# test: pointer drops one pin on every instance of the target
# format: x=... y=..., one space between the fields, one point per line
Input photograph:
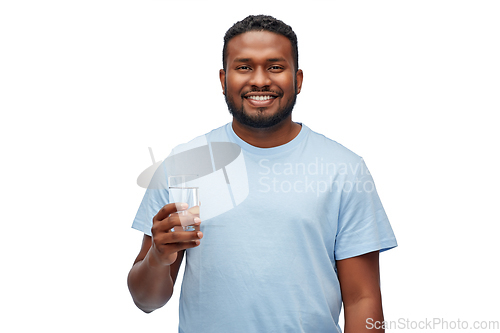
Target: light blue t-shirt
x=266 y=262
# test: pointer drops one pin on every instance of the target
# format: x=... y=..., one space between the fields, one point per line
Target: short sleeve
x=154 y=199
x=363 y=225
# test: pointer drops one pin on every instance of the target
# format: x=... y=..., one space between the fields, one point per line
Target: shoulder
x=328 y=147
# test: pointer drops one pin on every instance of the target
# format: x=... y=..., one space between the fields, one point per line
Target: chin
x=259 y=121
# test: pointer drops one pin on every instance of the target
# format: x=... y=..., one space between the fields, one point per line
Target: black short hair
x=260 y=23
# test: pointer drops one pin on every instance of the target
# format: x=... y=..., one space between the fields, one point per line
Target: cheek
x=234 y=86
x=287 y=83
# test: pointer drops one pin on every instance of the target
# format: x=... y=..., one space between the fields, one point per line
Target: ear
x=300 y=77
x=222 y=77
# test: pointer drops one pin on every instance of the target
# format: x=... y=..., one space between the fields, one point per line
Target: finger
x=178 y=237
x=168 y=209
x=176 y=220
x=175 y=247
x=186 y=219
x=195 y=210
x=182 y=218
x=182 y=236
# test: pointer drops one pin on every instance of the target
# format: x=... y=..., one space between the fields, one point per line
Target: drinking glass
x=180 y=192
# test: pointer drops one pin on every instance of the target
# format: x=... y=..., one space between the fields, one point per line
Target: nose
x=260 y=78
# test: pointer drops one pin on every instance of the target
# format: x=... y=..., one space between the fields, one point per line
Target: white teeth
x=260 y=98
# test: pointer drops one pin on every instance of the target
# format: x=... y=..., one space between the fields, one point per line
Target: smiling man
x=306 y=239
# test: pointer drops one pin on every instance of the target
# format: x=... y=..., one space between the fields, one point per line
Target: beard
x=260 y=120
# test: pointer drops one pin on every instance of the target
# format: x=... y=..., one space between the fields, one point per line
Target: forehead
x=259 y=44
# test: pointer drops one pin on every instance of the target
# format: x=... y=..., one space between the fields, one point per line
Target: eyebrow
x=250 y=59
x=276 y=59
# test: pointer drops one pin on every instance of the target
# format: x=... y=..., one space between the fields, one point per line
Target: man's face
x=260 y=82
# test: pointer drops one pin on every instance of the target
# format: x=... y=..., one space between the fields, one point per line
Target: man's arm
x=152 y=277
x=151 y=285
x=360 y=286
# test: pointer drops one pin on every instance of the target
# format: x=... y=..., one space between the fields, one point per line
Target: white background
x=87 y=86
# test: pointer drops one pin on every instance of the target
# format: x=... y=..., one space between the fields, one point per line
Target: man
x=305 y=239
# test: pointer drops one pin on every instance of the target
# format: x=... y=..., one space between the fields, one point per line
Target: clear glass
x=181 y=193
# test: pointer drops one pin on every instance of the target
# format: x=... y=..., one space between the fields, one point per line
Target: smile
x=261 y=98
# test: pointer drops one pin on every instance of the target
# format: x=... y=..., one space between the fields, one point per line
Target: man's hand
x=165 y=243
x=152 y=277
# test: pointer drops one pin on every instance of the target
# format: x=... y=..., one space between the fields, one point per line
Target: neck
x=277 y=135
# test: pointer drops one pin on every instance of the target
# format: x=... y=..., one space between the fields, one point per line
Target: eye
x=276 y=68
x=244 y=68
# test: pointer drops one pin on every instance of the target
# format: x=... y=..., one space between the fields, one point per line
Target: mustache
x=279 y=93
